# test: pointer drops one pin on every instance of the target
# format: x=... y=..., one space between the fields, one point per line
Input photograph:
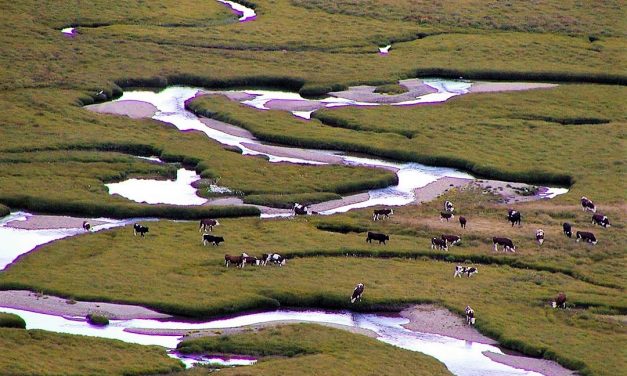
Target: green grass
x=390 y=89
x=4 y=210
x=287 y=201
x=9 y=320
x=314 y=349
x=99 y=320
x=37 y=352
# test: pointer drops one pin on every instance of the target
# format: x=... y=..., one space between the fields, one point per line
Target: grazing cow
x=381 y=238
x=601 y=220
x=505 y=242
x=439 y=244
x=206 y=222
x=451 y=239
x=514 y=217
x=251 y=260
x=382 y=214
x=215 y=240
x=560 y=301
x=461 y=270
x=446 y=215
x=86 y=226
x=139 y=229
x=470 y=316
x=448 y=206
x=300 y=209
x=239 y=261
x=588 y=205
x=568 y=230
x=587 y=236
x=462 y=222
x=357 y=293
x=274 y=258
x=540 y=236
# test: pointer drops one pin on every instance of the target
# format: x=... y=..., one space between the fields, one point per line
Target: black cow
x=446 y=215
x=86 y=226
x=588 y=205
x=139 y=229
x=251 y=260
x=357 y=292
x=274 y=258
x=462 y=222
x=560 y=301
x=239 y=261
x=587 y=236
x=300 y=209
x=451 y=239
x=215 y=240
x=207 y=222
x=601 y=220
x=448 y=206
x=382 y=238
x=514 y=216
x=505 y=242
x=470 y=316
x=461 y=270
x=540 y=236
x=568 y=230
x=381 y=213
x=437 y=243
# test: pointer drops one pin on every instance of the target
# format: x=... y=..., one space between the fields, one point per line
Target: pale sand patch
x=543 y=366
x=492 y=87
x=132 y=109
x=50 y=222
x=225 y=201
x=29 y=301
x=416 y=88
x=293 y=105
x=501 y=188
x=226 y=128
x=427 y=318
x=438 y=187
x=288 y=152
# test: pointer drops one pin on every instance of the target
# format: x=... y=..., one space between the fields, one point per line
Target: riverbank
x=52 y=222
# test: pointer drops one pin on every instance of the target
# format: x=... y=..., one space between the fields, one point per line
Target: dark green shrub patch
x=98 y=320
x=9 y=320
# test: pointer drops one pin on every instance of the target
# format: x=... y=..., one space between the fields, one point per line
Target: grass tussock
x=9 y=320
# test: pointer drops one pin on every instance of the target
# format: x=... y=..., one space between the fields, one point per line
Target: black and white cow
x=446 y=215
x=601 y=220
x=514 y=217
x=586 y=204
x=207 y=222
x=139 y=229
x=437 y=243
x=560 y=301
x=540 y=236
x=357 y=293
x=461 y=270
x=381 y=238
x=215 y=240
x=586 y=236
x=274 y=258
x=381 y=214
x=86 y=226
x=462 y=222
x=239 y=261
x=568 y=229
x=470 y=316
x=300 y=209
x=451 y=239
x=505 y=242
x=448 y=206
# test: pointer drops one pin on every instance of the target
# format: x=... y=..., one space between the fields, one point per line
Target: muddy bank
x=364 y=93
x=543 y=366
x=130 y=108
x=52 y=222
x=493 y=87
x=438 y=187
x=34 y=302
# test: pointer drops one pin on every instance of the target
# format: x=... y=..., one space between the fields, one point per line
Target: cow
x=462 y=222
x=461 y=270
x=451 y=239
x=274 y=258
x=446 y=215
x=448 y=206
x=300 y=209
x=239 y=261
x=381 y=238
x=470 y=316
x=601 y=220
x=381 y=214
x=139 y=229
x=514 y=216
x=86 y=226
x=587 y=236
x=560 y=301
x=207 y=222
x=215 y=240
x=568 y=230
x=588 y=205
x=251 y=260
x=540 y=236
x=505 y=242
x=437 y=243
x=357 y=293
